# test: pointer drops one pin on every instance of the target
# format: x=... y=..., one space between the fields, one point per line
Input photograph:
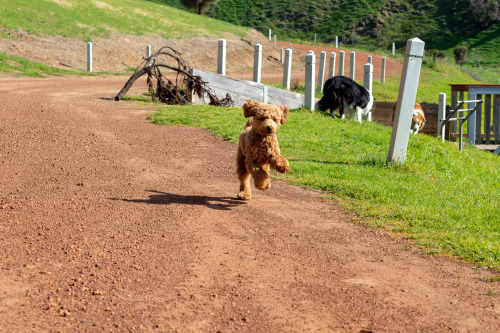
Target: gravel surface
x=109 y=223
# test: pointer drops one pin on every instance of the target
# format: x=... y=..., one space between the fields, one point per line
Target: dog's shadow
x=163 y=198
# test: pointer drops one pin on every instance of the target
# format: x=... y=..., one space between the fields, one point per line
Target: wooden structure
x=382 y=113
x=242 y=90
x=483 y=130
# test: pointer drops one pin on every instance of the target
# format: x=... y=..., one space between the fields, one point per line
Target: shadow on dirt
x=162 y=198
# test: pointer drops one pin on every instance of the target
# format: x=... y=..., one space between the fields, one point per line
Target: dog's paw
x=283 y=167
x=264 y=186
x=244 y=195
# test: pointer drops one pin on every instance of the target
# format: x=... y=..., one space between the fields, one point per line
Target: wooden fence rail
x=486 y=124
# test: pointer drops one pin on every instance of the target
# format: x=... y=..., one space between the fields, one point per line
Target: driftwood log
x=168 y=92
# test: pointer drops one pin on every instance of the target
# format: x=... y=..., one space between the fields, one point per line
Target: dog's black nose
x=269 y=128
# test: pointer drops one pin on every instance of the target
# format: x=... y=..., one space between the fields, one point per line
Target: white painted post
x=257 y=63
x=89 y=56
x=393 y=49
x=309 y=93
x=221 y=60
x=275 y=44
x=281 y=55
x=269 y=34
x=341 y=62
x=264 y=94
x=331 y=72
x=148 y=51
x=368 y=84
x=471 y=122
x=369 y=59
x=353 y=65
x=287 y=69
x=406 y=100
x=368 y=77
x=382 y=75
x=314 y=38
x=336 y=42
x=441 y=132
x=321 y=71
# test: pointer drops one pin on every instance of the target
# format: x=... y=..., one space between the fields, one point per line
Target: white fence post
x=281 y=56
x=275 y=43
x=148 y=51
x=287 y=70
x=353 y=65
x=269 y=34
x=309 y=93
x=336 y=42
x=89 y=56
x=471 y=122
x=321 y=71
x=368 y=83
x=406 y=100
x=441 y=132
x=382 y=75
x=314 y=38
x=331 y=72
x=368 y=77
x=369 y=59
x=393 y=49
x=221 y=60
x=341 y=62
x=257 y=63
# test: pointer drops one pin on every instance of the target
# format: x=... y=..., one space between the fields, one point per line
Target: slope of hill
x=54 y=32
x=442 y=24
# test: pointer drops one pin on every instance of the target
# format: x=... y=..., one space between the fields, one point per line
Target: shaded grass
x=446 y=201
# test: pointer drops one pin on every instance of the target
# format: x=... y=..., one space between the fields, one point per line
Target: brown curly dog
x=258 y=148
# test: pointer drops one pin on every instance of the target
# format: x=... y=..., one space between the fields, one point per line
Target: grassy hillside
x=442 y=24
x=86 y=19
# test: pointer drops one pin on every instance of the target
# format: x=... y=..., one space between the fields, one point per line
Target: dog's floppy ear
x=285 y=111
x=249 y=109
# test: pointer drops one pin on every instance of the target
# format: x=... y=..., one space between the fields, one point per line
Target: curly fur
x=258 y=148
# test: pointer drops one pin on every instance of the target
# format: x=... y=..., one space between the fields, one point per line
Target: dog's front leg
x=280 y=164
x=359 y=113
x=260 y=174
x=243 y=176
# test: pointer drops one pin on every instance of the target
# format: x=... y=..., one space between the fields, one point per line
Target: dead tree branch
x=167 y=91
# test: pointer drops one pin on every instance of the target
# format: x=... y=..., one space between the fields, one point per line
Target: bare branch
x=165 y=90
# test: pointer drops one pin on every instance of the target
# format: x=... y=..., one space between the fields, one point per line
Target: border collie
x=340 y=92
x=417 y=119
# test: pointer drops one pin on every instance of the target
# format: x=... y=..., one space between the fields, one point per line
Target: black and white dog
x=340 y=92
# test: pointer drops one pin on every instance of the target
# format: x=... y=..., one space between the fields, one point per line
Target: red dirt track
x=109 y=223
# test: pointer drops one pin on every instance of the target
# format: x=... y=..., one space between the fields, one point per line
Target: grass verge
x=444 y=200
x=22 y=67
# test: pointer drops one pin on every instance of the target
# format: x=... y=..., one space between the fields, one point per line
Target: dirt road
x=111 y=224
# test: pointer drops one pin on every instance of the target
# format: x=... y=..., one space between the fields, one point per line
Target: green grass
x=434 y=79
x=21 y=67
x=446 y=201
x=87 y=20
